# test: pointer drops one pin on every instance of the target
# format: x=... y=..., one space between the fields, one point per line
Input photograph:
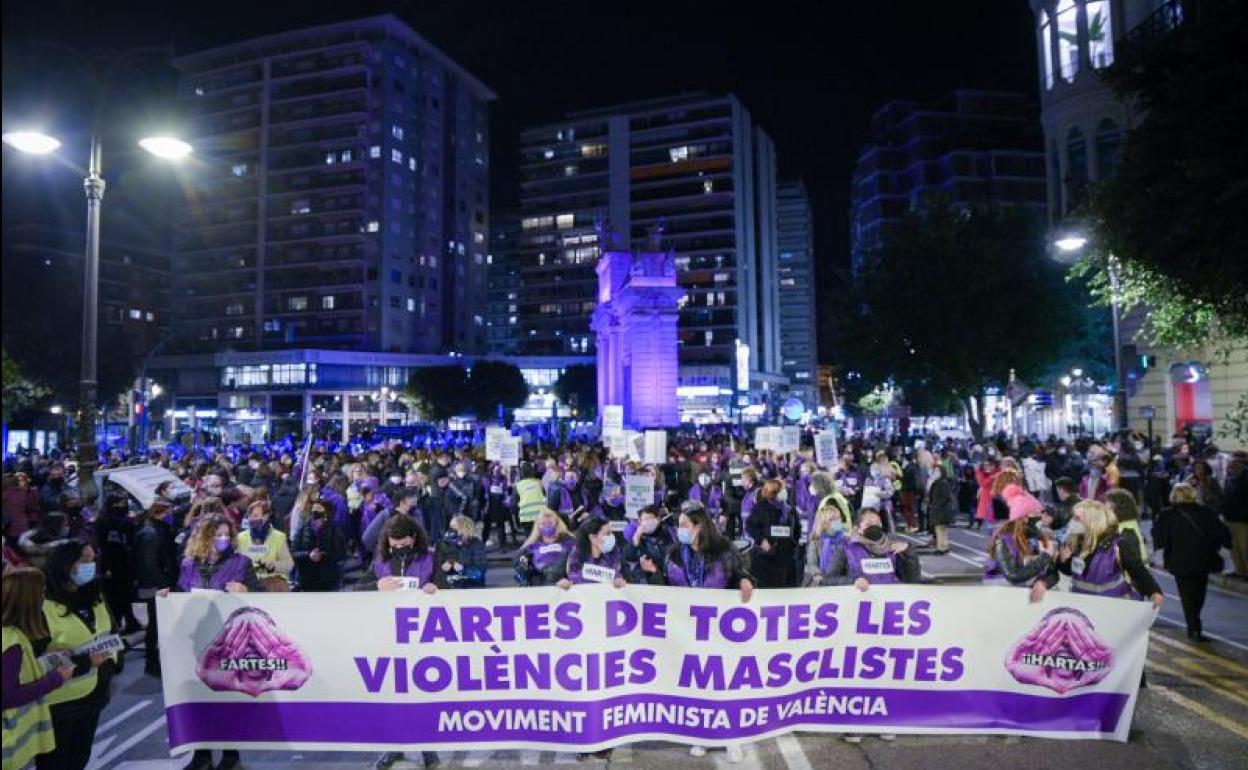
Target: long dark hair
x=590 y=527
x=398 y=527
x=710 y=541
x=58 y=571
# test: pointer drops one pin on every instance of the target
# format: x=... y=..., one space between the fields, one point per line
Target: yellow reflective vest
x=68 y=634
x=27 y=729
x=532 y=499
x=273 y=550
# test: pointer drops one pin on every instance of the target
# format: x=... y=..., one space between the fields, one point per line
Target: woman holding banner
x=1101 y=561
x=647 y=542
x=459 y=557
x=594 y=558
x=1018 y=553
x=543 y=559
x=704 y=558
x=825 y=553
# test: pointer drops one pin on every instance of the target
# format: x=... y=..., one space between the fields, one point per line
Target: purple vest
x=715 y=573
x=419 y=567
x=828 y=546
x=1102 y=576
x=712 y=498
x=546 y=555
x=806 y=502
x=747 y=504
x=229 y=569
x=856 y=553
x=607 y=560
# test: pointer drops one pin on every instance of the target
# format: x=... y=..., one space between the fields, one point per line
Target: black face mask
x=403 y=553
x=874 y=533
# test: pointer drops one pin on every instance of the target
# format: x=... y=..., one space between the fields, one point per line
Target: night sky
x=811 y=74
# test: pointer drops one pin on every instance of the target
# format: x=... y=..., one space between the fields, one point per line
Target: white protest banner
x=597 y=667
x=612 y=419
x=638 y=449
x=825 y=449
x=790 y=438
x=638 y=493
x=107 y=644
x=509 y=452
x=620 y=444
x=767 y=439
x=495 y=437
x=656 y=446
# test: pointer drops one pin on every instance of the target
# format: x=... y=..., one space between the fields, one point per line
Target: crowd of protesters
x=395 y=516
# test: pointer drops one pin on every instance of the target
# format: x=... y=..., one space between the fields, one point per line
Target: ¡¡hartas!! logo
x=1062 y=653
x=251 y=655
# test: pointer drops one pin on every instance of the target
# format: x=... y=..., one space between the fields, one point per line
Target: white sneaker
x=697 y=751
x=888 y=737
x=852 y=738
x=735 y=753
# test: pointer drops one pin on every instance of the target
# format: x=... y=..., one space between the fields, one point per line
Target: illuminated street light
x=1071 y=243
x=167 y=147
x=31 y=142
x=56 y=409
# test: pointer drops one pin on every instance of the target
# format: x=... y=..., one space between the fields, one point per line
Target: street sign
x=1148 y=413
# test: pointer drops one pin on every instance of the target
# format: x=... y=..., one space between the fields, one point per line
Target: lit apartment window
x=396 y=132
x=708 y=186
x=396 y=157
x=478 y=237
x=300 y=207
x=565 y=221
x=411 y=305
x=237 y=332
x=239 y=169
x=151 y=316
x=374 y=151
x=199 y=90
x=1100 y=33
x=593 y=150
x=511 y=320
x=569 y=170
x=330 y=158
x=433 y=261
x=411 y=163
x=709 y=336
x=548 y=153
x=678 y=153
x=373 y=226
x=299 y=302
x=136 y=314
x=721 y=278
x=327 y=302
x=478 y=320
x=345 y=156
x=235 y=309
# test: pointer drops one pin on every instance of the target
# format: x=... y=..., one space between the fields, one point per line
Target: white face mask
x=608 y=543
x=704 y=480
x=782 y=495
x=1075 y=528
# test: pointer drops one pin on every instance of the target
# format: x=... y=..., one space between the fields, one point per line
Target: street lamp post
x=38 y=143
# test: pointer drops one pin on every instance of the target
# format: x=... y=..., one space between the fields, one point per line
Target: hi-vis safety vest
x=532 y=499
x=68 y=634
x=27 y=729
x=273 y=545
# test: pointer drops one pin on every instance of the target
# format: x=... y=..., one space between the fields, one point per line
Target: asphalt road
x=1194 y=714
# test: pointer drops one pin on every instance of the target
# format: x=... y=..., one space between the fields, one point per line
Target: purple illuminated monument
x=636 y=318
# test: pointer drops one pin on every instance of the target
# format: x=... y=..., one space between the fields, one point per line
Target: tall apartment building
x=694 y=165
x=342 y=199
x=974 y=146
x=503 y=293
x=795 y=280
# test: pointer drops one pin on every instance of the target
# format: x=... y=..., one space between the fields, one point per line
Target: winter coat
x=155 y=557
x=325 y=575
x=941 y=506
x=781 y=528
x=469 y=555
x=983 y=508
x=1189 y=536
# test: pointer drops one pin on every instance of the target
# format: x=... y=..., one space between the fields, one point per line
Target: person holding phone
x=77 y=617
x=646 y=545
x=28 y=730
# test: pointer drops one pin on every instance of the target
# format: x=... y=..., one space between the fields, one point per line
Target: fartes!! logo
x=251 y=655
x=1062 y=653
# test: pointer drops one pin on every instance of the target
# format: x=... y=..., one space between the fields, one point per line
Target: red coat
x=983 y=509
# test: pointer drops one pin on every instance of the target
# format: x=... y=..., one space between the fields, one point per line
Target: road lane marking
x=791 y=752
x=127 y=744
x=1212 y=657
x=1215 y=637
x=123 y=716
x=1201 y=710
x=1213 y=679
x=954 y=555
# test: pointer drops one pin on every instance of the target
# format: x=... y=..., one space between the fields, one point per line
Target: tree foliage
x=579 y=385
x=19 y=391
x=496 y=382
x=438 y=392
x=1174 y=211
x=952 y=300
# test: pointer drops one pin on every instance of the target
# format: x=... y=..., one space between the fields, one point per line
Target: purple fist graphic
x=251 y=655
x=1061 y=653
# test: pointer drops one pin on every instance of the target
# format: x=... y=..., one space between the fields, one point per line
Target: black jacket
x=469 y=555
x=774 y=568
x=155 y=556
x=1235 y=503
x=655 y=546
x=325 y=575
x=942 y=508
x=1189 y=535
